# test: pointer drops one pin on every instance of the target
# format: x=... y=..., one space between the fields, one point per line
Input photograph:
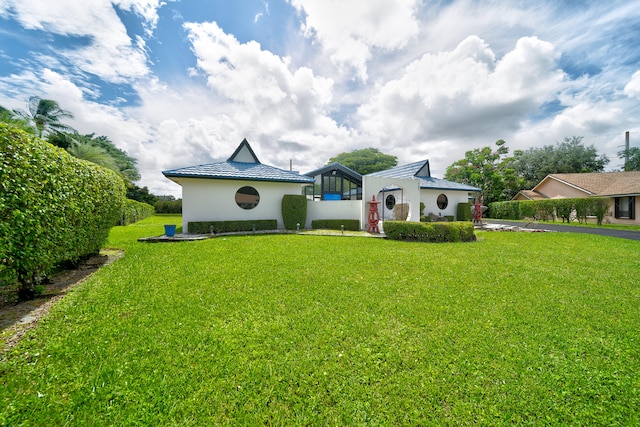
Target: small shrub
x=205 y=227
x=463 y=212
x=581 y=207
x=599 y=208
x=430 y=232
x=564 y=209
x=336 y=224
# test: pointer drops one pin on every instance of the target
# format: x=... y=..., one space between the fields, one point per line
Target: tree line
x=501 y=176
x=44 y=118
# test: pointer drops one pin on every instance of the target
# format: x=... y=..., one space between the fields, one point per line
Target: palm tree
x=7 y=116
x=92 y=153
x=45 y=115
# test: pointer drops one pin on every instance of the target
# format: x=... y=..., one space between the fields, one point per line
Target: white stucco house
x=242 y=188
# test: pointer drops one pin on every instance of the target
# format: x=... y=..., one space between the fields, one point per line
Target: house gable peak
x=424 y=171
x=244 y=154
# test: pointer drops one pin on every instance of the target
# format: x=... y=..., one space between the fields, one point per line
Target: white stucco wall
x=214 y=200
x=430 y=197
x=333 y=209
x=371 y=185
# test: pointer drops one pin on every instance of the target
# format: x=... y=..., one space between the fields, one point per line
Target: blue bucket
x=170 y=230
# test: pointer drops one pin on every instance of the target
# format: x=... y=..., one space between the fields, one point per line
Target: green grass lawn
x=575 y=224
x=517 y=328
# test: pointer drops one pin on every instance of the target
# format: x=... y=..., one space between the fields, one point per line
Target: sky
x=181 y=83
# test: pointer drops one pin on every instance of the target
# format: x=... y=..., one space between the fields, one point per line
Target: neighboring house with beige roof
x=623 y=188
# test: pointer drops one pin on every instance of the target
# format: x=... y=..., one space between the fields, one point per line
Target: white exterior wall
x=333 y=209
x=387 y=214
x=430 y=197
x=214 y=200
x=371 y=186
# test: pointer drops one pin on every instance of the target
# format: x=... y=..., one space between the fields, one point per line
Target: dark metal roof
x=336 y=166
x=421 y=171
x=238 y=171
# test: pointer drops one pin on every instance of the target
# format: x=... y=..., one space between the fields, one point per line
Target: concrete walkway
x=624 y=234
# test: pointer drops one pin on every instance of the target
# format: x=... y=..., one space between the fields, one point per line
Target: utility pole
x=626 y=150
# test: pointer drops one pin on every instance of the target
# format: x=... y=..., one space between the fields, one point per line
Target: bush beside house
x=54 y=209
x=294 y=211
x=552 y=209
x=214 y=227
x=336 y=224
x=430 y=232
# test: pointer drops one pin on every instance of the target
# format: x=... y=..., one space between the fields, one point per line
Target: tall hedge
x=294 y=211
x=564 y=209
x=54 y=208
x=134 y=211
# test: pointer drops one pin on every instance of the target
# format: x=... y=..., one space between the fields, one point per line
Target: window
x=247 y=197
x=625 y=207
x=442 y=202
x=390 y=201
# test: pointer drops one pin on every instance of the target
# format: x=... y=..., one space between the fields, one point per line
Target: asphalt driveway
x=624 y=234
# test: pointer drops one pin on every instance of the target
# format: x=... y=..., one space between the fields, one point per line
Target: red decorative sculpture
x=374 y=216
x=477 y=213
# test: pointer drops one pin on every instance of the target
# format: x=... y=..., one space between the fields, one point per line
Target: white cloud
x=350 y=31
x=463 y=93
x=269 y=98
x=632 y=89
x=109 y=52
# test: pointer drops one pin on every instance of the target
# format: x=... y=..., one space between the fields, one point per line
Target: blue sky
x=178 y=83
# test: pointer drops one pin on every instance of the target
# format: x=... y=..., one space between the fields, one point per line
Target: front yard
x=517 y=328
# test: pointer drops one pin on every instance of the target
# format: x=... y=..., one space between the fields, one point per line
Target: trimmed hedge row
x=206 y=227
x=169 y=206
x=54 y=208
x=134 y=211
x=435 y=232
x=336 y=224
x=542 y=210
x=294 y=211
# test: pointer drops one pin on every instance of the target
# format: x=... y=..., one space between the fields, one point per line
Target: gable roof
x=529 y=195
x=599 y=183
x=242 y=165
x=421 y=170
x=336 y=166
x=244 y=153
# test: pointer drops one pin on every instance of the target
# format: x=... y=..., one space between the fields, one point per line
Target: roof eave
x=237 y=178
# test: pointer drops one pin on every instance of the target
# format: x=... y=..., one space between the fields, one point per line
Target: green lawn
x=517 y=328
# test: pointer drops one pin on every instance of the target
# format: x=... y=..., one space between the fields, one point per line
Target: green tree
x=45 y=115
x=9 y=117
x=568 y=156
x=365 y=161
x=92 y=153
x=490 y=170
x=141 y=194
x=634 y=159
x=99 y=150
